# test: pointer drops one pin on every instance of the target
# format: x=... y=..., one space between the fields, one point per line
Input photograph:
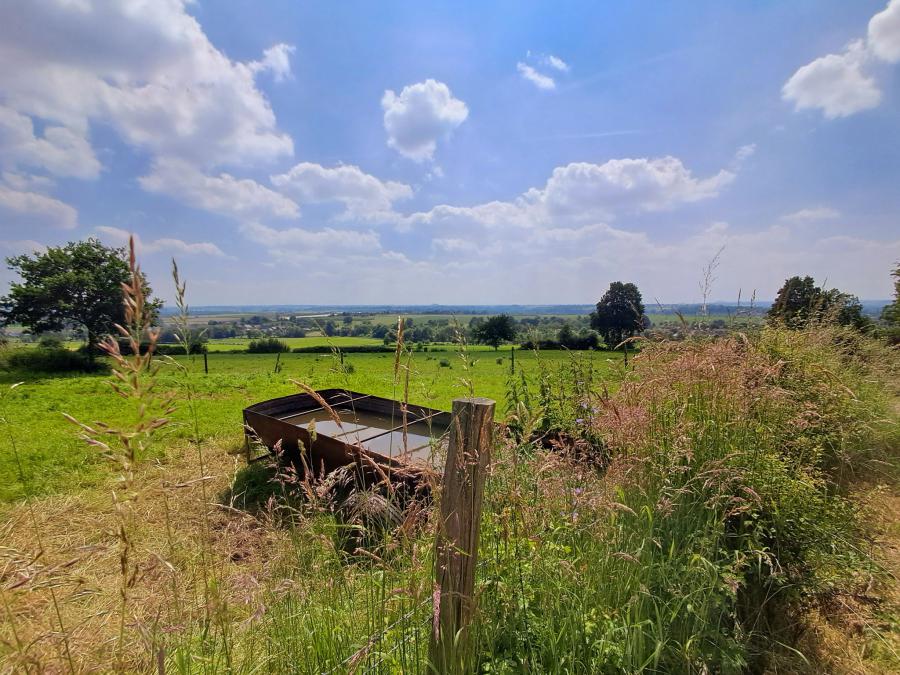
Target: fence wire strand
x=379 y=635
x=483 y=565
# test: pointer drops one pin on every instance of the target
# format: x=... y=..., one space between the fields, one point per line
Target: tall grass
x=720 y=513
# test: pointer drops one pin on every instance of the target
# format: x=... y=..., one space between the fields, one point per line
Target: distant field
x=234 y=344
x=669 y=318
x=57 y=461
x=239 y=344
x=229 y=344
x=462 y=319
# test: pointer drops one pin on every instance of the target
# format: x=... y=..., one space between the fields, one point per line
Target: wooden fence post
x=205 y=364
x=456 y=542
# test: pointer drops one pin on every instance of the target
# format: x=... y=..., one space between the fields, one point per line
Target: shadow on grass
x=255 y=488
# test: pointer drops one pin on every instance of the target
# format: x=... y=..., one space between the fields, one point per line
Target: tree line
x=79 y=285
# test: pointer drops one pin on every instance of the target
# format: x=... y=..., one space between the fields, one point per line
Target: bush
x=267 y=346
x=55 y=360
x=50 y=342
x=444 y=363
x=577 y=342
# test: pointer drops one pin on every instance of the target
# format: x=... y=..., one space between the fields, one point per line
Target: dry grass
x=81 y=561
x=859 y=634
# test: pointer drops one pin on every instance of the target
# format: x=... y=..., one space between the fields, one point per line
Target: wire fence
x=350 y=662
x=375 y=638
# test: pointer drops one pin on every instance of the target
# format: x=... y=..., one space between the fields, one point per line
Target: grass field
x=240 y=344
x=233 y=344
x=56 y=460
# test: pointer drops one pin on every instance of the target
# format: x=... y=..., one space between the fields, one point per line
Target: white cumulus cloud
x=834 y=83
x=60 y=150
x=362 y=194
x=884 y=33
x=624 y=185
x=583 y=191
x=119 y=237
x=148 y=70
x=223 y=193
x=298 y=241
x=26 y=208
x=276 y=60
x=419 y=116
x=842 y=84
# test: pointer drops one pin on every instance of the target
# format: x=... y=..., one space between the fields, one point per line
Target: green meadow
x=55 y=459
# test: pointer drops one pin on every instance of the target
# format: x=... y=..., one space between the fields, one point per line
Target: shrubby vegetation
x=721 y=515
x=268 y=346
x=49 y=359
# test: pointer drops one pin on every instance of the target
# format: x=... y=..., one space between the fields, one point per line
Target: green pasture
x=240 y=344
x=55 y=460
x=234 y=344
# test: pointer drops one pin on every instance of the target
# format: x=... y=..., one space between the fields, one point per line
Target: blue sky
x=511 y=152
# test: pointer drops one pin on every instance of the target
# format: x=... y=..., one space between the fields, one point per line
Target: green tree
x=797 y=300
x=566 y=335
x=800 y=302
x=76 y=285
x=619 y=314
x=495 y=330
x=890 y=314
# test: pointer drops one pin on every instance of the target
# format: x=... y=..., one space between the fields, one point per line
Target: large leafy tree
x=891 y=313
x=797 y=300
x=619 y=314
x=800 y=302
x=77 y=285
x=496 y=330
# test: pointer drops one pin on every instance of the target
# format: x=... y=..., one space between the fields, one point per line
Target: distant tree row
x=79 y=285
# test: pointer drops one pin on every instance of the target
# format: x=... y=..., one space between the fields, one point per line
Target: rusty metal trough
x=376 y=434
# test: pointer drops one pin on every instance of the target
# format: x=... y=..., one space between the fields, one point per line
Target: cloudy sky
x=503 y=152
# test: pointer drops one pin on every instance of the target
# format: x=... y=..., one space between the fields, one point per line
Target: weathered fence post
x=205 y=364
x=456 y=543
x=512 y=360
